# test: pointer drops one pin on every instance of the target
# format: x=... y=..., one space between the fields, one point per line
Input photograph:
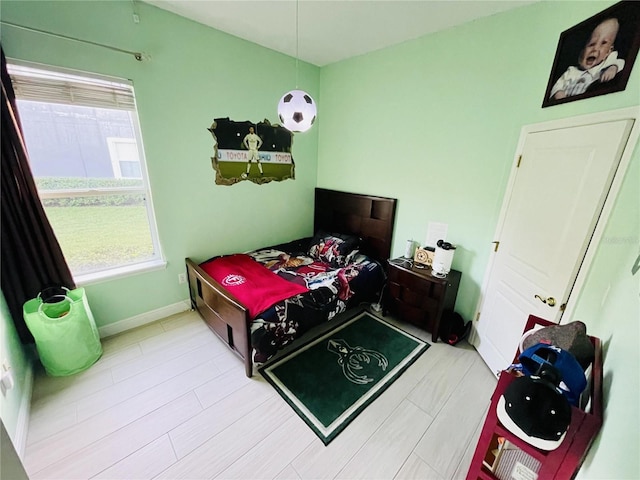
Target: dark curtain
x=31 y=256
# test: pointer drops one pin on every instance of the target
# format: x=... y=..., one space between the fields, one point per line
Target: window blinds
x=57 y=87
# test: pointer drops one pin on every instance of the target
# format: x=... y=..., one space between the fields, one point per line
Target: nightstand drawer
x=403 y=277
x=411 y=314
x=415 y=297
x=432 y=288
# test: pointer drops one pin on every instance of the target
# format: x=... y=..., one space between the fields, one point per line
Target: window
x=85 y=151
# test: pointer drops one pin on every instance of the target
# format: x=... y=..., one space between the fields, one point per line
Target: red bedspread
x=253 y=284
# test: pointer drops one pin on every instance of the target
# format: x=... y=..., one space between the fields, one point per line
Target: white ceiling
x=333 y=30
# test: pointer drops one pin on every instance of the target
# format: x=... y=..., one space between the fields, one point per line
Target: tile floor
x=169 y=400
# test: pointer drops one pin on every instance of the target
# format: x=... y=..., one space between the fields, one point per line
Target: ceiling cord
x=297 y=41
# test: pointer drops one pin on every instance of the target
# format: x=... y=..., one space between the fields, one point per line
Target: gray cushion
x=571 y=337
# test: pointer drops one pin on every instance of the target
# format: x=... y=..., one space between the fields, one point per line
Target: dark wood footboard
x=224 y=314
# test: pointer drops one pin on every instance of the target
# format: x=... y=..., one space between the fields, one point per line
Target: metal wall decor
x=258 y=152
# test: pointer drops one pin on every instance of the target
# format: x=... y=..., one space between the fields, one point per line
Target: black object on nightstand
x=419 y=297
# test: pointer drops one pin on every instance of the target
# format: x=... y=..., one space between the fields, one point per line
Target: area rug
x=331 y=379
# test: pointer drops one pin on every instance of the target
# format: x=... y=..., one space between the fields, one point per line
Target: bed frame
x=370 y=217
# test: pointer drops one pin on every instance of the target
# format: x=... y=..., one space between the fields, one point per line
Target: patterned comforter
x=331 y=291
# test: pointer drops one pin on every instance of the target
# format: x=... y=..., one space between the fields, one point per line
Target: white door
x=556 y=196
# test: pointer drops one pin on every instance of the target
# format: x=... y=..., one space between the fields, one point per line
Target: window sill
x=115 y=273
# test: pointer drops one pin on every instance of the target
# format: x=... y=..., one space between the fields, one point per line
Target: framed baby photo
x=596 y=56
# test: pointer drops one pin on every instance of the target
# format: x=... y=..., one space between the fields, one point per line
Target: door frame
x=630 y=113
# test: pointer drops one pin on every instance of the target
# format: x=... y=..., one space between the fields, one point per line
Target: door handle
x=549 y=301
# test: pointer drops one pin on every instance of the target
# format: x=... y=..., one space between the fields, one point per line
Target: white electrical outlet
x=6 y=378
x=182 y=278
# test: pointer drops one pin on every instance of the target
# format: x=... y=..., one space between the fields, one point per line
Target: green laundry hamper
x=64 y=330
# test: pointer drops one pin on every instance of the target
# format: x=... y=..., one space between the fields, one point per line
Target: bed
x=256 y=334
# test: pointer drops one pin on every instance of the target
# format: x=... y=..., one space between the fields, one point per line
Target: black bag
x=452 y=328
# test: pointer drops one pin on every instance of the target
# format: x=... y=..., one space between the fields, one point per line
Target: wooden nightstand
x=417 y=296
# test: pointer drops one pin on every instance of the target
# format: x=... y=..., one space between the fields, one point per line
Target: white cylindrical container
x=409 y=249
x=442 y=259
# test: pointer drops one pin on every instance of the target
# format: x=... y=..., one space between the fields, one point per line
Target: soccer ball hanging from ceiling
x=297 y=111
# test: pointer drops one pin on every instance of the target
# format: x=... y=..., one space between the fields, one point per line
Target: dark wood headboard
x=370 y=217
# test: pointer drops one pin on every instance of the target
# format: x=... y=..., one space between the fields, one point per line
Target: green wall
x=195 y=74
x=435 y=122
x=610 y=306
x=14 y=404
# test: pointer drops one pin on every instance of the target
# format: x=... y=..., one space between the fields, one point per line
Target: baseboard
x=22 y=422
x=143 y=318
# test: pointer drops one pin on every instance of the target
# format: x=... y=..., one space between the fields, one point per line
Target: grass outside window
x=99 y=237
